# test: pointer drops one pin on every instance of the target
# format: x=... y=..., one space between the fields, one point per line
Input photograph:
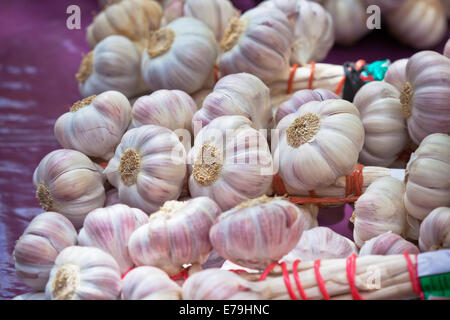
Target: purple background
x=39 y=57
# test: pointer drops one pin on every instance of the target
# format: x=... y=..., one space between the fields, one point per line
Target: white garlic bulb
x=176 y=235
x=31 y=296
x=396 y=74
x=84 y=273
x=112 y=197
x=318 y=143
x=149 y=283
x=36 y=250
x=69 y=183
x=230 y=162
x=95 y=125
x=386 y=244
x=380 y=209
x=386 y=135
x=109 y=229
x=435 y=230
x=179 y=56
x=428 y=176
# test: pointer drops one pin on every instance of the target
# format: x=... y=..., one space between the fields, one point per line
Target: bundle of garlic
x=179 y=56
x=387 y=244
x=435 y=230
x=36 y=250
x=84 y=273
x=95 y=125
x=386 y=135
x=396 y=74
x=148 y=168
x=31 y=296
x=230 y=162
x=240 y=94
x=428 y=176
x=176 y=235
x=69 y=183
x=109 y=229
x=149 y=283
x=114 y=64
x=131 y=18
x=216 y=14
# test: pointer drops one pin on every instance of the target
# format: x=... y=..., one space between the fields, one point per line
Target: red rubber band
x=287 y=281
x=291 y=78
x=354 y=182
x=237 y=271
x=311 y=75
x=278 y=185
x=340 y=86
x=360 y=64
x=103 y=164
x=126 y=272
x=320 y=281
x=412 y=274
x=297 y=280
x=313 y=194
x=351 y=273
x=216 y=74
x=183 y=274
x=267 y=271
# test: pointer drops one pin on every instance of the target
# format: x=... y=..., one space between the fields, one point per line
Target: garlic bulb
x=179 y=56
x=132 y=19
x=386 y=244
x=109 y=229
x=240 y=94
x=435 y=230
x=447 y=49
x=112 y=197
x=259 y=42
x=258 y=232
x=230 y=162
x=386 y=135
x=95 y=125
x=148 y=168
x=396 y=74
x=175 y=235
x=149 y=283
x=428 y=176
x=84 y=273
x=301 y=97
x=378 y=210
x=31 y=296
x=426 y=93
x=214 y=13
x=321 y=243
x=318 y=143
x=114 y=64
x=36 y=250
x=69 y=183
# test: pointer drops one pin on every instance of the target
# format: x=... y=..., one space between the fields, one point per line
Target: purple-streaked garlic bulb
x=230 y=162
x=386 y=244
x=301 y=97
x=259 y=231
x=31 y=296
x=109 y=229
x=132 y=18
x=84 y=273
x=149 y=283
x=176 y=235
x=112 y=197
x=318 y=143
x=428 y=176
x=95 y=125
x=396 y=74
x=447 y=49
x=68 y=182
x=435 y=230
x=379 y=210
x=321 y=243
x=259 y=42
x=386 y=135
x=425 y=95
x=240 y=94
x=36 y=250
x=214 y=13
x=179 y=56
x=148 y=168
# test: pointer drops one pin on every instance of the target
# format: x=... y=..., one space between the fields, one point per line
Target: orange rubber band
x=216 y=74
x=278 y=185
x=297 y=280
x=360 y=64
x=354 y=182
x=351 y=273
x=311 y=75
x=291 y=78
x=103 y=164
x=340 y=86
x=320 y=281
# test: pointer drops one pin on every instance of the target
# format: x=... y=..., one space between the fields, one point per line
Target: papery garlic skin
x=109 y=229
x=435 y=230
x=176 y=235
x=31 y=296
x=148 y=168
x=386 y=135
x=214 y=261
x=95 y=125
x=179 y=56
x=84 y=273
x=259 y=42
x=230 y=162
x=428 y=176
x=37 y=248
x=149 y=283
x=379 y=210
x=396 y=74
x=112 y=197
x=387 y=244
x=318 y=143
x=321 y=243
x=69 y=183
x=258 y=232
